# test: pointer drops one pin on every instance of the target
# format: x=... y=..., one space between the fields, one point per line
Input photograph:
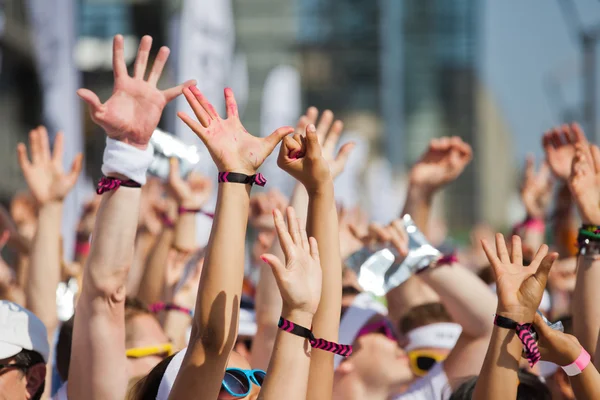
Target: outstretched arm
x=129 y=117
x=215 y=323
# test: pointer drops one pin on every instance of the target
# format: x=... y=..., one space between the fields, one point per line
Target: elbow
x=107 y=282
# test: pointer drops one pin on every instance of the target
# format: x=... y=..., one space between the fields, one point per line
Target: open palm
x=584 y=182
x=536 y=191
x=133 y=111
x=559 y=145
x=519 y=288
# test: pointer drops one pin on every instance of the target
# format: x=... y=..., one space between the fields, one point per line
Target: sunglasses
x=383 y=326
x=238 y=382
x=140 y=352
x=421 y=361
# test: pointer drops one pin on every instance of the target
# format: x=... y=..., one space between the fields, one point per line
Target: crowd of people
x=144 y=313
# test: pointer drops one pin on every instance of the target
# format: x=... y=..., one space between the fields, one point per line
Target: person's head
x=24 y=352
x=428 y=335
x=158 y=383
x=530 y=388
x=145 y=341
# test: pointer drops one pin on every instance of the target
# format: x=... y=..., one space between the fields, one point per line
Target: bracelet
x=344 y=350
x=524 y=332
x=534 y=224
x=588 y=240
x=577 y=366
x=160 y=306
x=234 y=177
x=183 y=210
x=82 y=248
x=107 y=183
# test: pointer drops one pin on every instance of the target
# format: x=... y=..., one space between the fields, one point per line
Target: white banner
x=281 y=106
x=53 y=36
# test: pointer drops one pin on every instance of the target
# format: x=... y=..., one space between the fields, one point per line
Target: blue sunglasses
x=238 y=382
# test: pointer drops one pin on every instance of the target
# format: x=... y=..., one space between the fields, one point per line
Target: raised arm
x=519 y=291
x=299 y=282
x=128 y=117
x=214 y=328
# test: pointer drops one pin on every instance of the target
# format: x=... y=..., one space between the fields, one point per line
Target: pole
x=588 y=44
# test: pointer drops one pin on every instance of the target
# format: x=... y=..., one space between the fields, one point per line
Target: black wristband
x=235 y=177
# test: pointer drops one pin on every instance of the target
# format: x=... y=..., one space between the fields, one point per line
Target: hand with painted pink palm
x=133 y=111
x=231 y=147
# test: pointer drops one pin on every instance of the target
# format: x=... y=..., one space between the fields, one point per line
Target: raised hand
x=231 y=147
x=519 y=288
x=300 y=279
x=536 y=191
x=442 y=163
x=555 y=346
x=584 y=182
x=559 y=145
x=262 y=206
x=191 y=193
x=44 y=173
x=133 y=111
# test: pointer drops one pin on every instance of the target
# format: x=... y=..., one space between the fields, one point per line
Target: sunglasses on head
x=421 y=361
x=383 y=326
x=140 y=352
x=238 y=382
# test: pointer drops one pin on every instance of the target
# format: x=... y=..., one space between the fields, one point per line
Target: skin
x=16 y=385
x=143 y=331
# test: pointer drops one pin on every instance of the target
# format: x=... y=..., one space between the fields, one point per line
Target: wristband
x=530 y=347
x=160 y=306
x=344 y=350
x=107 y=183
x=183 y=210
x=124 y=159
x=234 y=177
x=534 y=224
x=168 y=222
x=82 y=248
x=447 y=259
x=577 y=366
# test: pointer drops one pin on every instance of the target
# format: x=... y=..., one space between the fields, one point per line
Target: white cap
x=20 y=330
x=247 y=327
x=441 y=335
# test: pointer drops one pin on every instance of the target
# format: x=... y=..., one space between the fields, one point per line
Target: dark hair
x=147 y=387
x=422 y=315
x=63 y=349
x=29 y=359
x=530 y=388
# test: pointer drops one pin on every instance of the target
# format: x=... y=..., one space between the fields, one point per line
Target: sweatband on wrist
x=160 y=306
x=322 y=344
x=577 y=366
x=234 y=177
x=124 y=159
x=530 y=347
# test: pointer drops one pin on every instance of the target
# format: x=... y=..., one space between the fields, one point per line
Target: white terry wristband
x=124 y=159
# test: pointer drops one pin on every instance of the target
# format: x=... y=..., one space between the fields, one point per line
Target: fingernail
x=311 y=128
x=264 y=259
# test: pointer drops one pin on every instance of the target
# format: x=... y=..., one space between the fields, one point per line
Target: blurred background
x=398 y=72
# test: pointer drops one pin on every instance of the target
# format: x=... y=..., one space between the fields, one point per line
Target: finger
x=172 y=93
x=285 y=239
x=398 y=238
x=501 y=249
x=293 y=227
x=174 y=176
x=596 y=157
x=544 y=172
x=344 y=153
x=231 y=104
x=44 y=143
x=313 y=149
x=333 y=137
x=547 y=140
x=544 y=269
x=22 y=157
x=210 y=109
x=194 y=126
x=324 y=125
x=577 y=132
x=275 y=264
x=76 y=166
x=517 y=250
x=555 y=138
x=303 y=234
x=378 y=233
x=58 y=149
x=35 y=146
x=91 y=99
x=491 y=256
x=141 y=61
x=314 y=249
x=119 y=66
x=274 y=138
x=539 y=256
x=159 y=65
x=301 y=125
x=311 y=114
x=199 y=111
x=290 y=149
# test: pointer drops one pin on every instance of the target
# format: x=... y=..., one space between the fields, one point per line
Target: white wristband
x=124 y=159
x=577 y=366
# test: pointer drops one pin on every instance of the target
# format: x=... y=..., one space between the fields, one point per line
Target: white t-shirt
x=433 y=386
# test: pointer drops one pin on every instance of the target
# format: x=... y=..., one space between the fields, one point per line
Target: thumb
x=344 y=153
x=76 y=168
x=288 y=151
x=313 y=148
x=274 y=138
x=91 y=99
x=173 y=169
x=544 y=269
x=276 y=266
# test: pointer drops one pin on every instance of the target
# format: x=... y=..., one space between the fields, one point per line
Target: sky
x=525 y=43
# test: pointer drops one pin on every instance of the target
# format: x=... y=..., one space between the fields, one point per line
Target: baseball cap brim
x=8 y=350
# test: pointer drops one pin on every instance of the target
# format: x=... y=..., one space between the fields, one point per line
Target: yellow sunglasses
x=139 y=352
x=421 y=361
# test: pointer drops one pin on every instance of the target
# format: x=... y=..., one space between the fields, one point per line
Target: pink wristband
x=577 y=366
x=533 y=224
x=82 y=248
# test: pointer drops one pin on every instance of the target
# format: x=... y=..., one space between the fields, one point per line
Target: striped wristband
x=344 y=350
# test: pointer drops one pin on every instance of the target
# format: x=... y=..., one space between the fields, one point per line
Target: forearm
x=153 y=279
x=586 y=297
x=185 y=232
x=587 y=384
x=299 y=201
x=289 y=367
x=472 y=308
x=418 y=205
x=44 y=269
x=499 y=375
x=144 y=242
x=176 y=325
